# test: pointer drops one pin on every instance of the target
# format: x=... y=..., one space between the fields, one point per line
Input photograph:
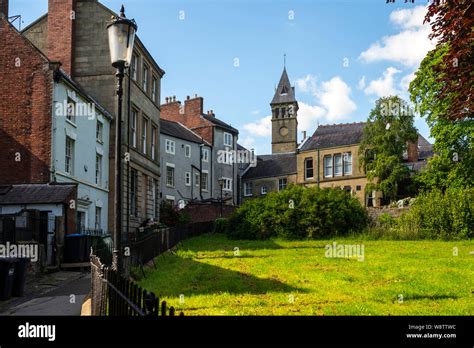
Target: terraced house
x=54 y=138
x=221 y=135
x=74 y=33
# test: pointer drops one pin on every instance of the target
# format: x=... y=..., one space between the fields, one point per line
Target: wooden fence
x=114 y=295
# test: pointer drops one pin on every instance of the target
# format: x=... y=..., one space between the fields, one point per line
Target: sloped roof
x=220 y=123
x=35 y=193
x=272 y=165
x=284 y=92
x=177 y=130
x=335 y=135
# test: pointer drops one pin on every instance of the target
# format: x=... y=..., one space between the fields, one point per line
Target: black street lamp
x=221 y=184
x=121 y=38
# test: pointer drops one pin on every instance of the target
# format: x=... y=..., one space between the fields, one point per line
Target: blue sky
x=341 y=55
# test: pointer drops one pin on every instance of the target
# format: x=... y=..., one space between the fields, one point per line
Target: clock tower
x=284 y=117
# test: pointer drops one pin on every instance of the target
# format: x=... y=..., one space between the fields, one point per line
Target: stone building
x=330 y=158
x=222 y=136
x=74 y=32
x=275 y=171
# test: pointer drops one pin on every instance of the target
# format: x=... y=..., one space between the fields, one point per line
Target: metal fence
x=114 y=295
x=147 y=247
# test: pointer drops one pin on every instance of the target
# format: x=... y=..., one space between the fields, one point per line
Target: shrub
x=171 y=216
x=438 y=215
x=298 y=212
x=220 y=225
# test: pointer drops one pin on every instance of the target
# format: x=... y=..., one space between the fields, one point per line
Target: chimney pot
x=174 y=98
x=195 y=95
x=166 y=100
x=187 y=97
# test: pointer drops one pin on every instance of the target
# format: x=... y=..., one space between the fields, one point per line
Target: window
x=228 y=139
x=196 y=178
x=144 y=135
x=205 y=155
x=133 y=192
x=153 y=142
x=282 y=184
x=347 y=189
x=204 y=177
x=169 y=146
x=227 y=184
x=69 y=163
x=327 y=166
x=187 y=151
x=71 y=110
x=187 y=178
x=338 y=165
x=347 y=163
x=169 y=176
x=358 y=187
x=145 y=78
x=134 y=67
x=248 y=188
x=99 y=131
x=98 y=213
x=263 y=190
x=154 y=88
x=308 y=168
x=133 y=127
x=98 y=169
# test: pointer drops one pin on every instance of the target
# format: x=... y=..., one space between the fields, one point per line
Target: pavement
x=60 y=293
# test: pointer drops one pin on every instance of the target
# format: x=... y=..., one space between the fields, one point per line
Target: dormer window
x=284 y=90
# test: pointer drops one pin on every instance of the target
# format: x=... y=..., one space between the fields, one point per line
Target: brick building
x=74 y=32
x=54 y=138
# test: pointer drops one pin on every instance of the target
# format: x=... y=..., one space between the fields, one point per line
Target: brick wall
x=4 y=7
x=208 y=211
x=25 y=109
x=189 y=114
x=61 y=18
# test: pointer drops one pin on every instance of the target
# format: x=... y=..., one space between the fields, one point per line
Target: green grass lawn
x=278 y=277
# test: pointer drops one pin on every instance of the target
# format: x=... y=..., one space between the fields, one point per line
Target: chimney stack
x=4 y=7
x=412 y=152
x=61 y=23
x=304 y=135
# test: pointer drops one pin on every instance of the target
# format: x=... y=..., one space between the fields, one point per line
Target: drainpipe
x=318 y=166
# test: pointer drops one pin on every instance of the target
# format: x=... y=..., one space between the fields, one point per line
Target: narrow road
x=65 y=300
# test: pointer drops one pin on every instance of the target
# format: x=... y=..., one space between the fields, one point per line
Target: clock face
x=283 y=131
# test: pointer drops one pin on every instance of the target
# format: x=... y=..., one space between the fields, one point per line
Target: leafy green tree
x=389 y=128
x=453 y=163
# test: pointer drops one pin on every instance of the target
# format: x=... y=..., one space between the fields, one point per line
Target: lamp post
x=221 y=184
x=121 y=38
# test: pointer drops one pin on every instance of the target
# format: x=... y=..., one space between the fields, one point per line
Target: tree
x=452 y=23
x=453 y=162
x=389 y=129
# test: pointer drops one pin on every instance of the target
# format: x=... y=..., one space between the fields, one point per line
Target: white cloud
x=308 y=115
x=409 y=46
x=409 y=18
x=385 y=85
x=255 y=112
x=334 y=96
x=306 y=84
x=361 y=84
x=248 y=142
x=260 y=128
